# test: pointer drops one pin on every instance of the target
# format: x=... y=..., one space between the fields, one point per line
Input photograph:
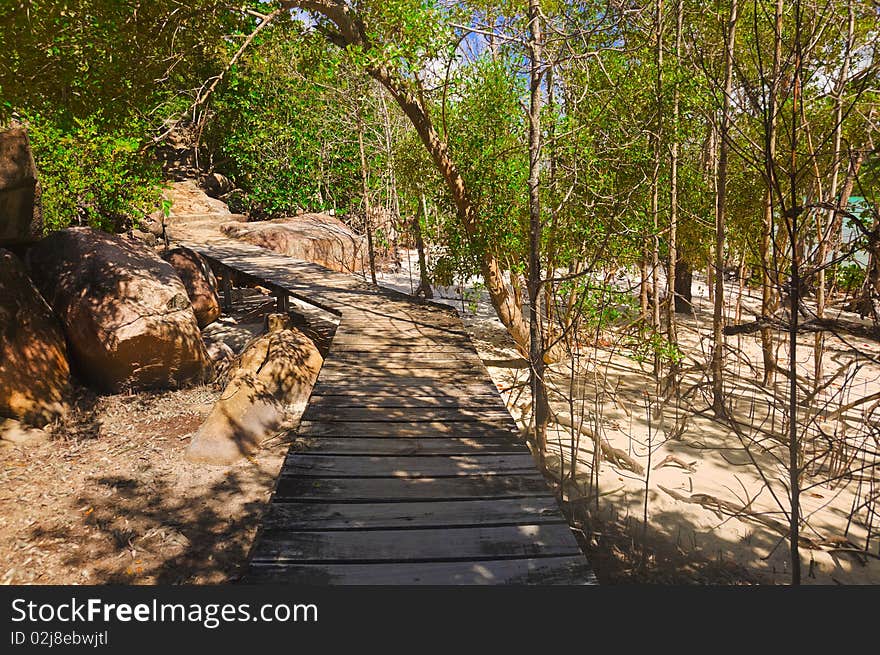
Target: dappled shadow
x=150 y=533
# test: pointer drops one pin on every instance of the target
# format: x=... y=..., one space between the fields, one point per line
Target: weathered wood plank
x=367 y=346
x=395 y=430
x=388 y=361
x=409 y=414
x=405 y=373
x=419 y=545
x=366 y=362
x=333 y=401
x=363 y=353
x=362 y=466
x=571 y=570
x=471 y=377
x=455 y=513
x=403 y=489
x=407 y=387
x=410 y=446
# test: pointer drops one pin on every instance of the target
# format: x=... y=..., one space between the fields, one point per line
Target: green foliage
x=653 y=345
x=599 y=305
x=487 y=138
x=850 y=277
x=276 y=130
x=95 y=80
x=92 y=175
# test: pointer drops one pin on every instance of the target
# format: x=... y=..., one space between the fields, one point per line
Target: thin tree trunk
x=853 y=168
x=684 y=277
x=721 y=219
x=536 y=339
x=768 y=294
x=672 y=265
x=819 y=344
x=368 y=219
x=769 y=297
x=794 y=299
x=424 y=280
x=655 y=179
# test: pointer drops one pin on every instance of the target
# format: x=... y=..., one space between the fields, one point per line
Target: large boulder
x=126 y=314
x=274 y=376
x=20 y=216
x=200 y=283
x=34 y=372
x=317 y=238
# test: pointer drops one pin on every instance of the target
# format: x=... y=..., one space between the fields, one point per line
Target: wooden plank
x=497 y=430
x=364 y=361
x=394 y=325
x=325 y=414
x=399 y=363
x=455 y=513
x=364 y=353
x=570 y=570
x=338 y=401
x=411 y=446
x=445 y=391
x=406 y=386
x=382 y=334
x=366 y=490
x=410 y=466
x=330 y=376
x=417 y=545
x=367 y=346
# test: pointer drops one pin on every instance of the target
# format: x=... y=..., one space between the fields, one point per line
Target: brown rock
x=188 y=199
x=314 y=238
x=217 y=185
x=275 y=373
x=34 y=371
x=200 y=283
x=20 y=216
x=128 y=320
x=146 y=238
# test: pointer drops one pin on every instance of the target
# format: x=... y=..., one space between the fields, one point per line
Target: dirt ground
x=110 y=498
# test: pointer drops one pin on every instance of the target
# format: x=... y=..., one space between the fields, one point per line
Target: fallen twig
x=737 y=511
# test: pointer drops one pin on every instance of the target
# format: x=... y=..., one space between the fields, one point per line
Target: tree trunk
x=721 y=220
x=769 y=296
x=684 y=278
x=672 y=305
x=794 y=300
x=424 y=280
x=368 y=219
x=655 y=178
x=819 y=343
x=536 y=338
x=769 y=299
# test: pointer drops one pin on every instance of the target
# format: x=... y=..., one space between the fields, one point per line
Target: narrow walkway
x=413 y=473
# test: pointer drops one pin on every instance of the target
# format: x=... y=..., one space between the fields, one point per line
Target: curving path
x=413 y=472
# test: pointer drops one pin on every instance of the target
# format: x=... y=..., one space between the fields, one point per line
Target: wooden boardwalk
x=413 y=473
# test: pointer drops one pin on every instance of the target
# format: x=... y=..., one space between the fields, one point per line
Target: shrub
x=93 y=176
